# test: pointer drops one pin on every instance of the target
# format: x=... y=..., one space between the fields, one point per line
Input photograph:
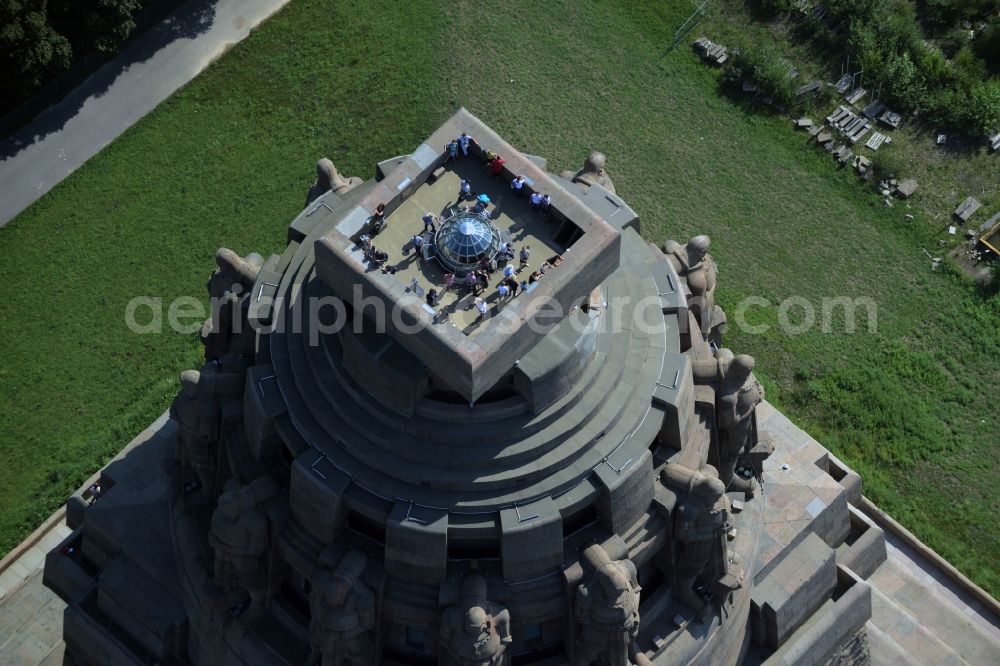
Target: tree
x=98 y=25
x=31 y=51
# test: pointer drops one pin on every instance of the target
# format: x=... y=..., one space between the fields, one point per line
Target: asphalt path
x=112 y=99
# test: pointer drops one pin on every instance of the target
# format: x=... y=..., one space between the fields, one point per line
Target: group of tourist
x=495 y=163
x=552 y=262
x=478 y=279
x=462 y=143
x=377 y=257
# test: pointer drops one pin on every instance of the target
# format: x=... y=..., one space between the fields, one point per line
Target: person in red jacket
x=496 y=166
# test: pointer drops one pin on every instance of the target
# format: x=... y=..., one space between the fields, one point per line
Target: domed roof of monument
x=463 y=240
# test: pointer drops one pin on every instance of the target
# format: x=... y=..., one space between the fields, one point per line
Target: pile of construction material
x=850 y=125
x=710 y=51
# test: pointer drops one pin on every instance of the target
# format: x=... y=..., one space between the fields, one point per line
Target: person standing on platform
x=496 y=167
x=465 y=191
x=518 y=186
x=463 y=143
x=512 y=285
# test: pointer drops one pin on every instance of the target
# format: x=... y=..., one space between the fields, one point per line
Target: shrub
x=906 y=86
x=953 y=40
x=774 y=7
x=983 y=108
x=986 y=45
x=766 y=69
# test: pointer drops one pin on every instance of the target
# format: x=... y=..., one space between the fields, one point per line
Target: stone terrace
x=513 y=216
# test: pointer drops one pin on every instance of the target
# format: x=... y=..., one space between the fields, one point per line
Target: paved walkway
x=113 y=98
x=31 y=625
x=31 y=615
x=921 y=616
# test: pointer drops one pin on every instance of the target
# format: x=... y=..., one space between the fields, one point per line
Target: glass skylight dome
x=463 y=241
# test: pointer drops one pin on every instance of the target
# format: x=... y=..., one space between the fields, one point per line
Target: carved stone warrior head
x=189 y=383
x=233 y=273
x=476 y=621
x=706 y=485
x=326 y=173
x=612 y=579
x=595 y=163
x=344 y=578
x=740 y=368
x=234 y=500
x=697 y=248
x=592 y=172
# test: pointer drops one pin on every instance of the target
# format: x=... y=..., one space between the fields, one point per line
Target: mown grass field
x=228 y=159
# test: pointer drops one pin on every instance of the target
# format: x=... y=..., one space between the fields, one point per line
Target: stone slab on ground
x=967 y=208
x=907 y=188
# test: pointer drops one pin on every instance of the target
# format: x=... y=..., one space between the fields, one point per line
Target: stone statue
x=209 y=399
x=736 y=403
x=232 y=269
x=476 y=632
x=232 y=279
x=196 y=412
x=693 y=262
x=343 y=615
x=607 y=611
x=328 y=178
x=592 y=173
x=701 y=522
x=239 y=537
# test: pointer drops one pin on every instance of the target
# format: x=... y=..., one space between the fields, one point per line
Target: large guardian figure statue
x=607 y=611
x=476 y=632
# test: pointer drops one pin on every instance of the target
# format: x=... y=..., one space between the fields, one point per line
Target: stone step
x=331 y=416
x=942 y=618
x=398 y=441
x=337 y=387
x=458 y=433
x=341 y=393
x=310 y=419
x=884 y=650
x=900 y=628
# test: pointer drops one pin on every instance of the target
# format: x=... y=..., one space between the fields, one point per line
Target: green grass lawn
x=228 y=159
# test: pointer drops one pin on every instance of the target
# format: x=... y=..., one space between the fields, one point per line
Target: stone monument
x=570 y=474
